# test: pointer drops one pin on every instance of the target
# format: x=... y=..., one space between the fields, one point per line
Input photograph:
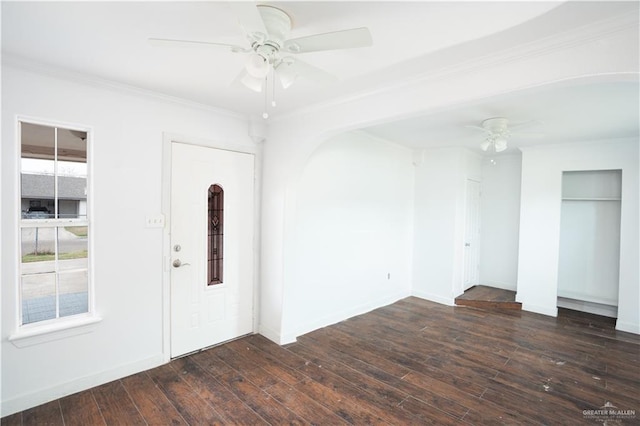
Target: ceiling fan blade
x=528 y=135
x=287 y=74
x=249 y=19
x=526 y=124
x=277 y=23
x=477 y=128
x=246 y=81
x=167 y=42
x=295 y=68
x=345 y=39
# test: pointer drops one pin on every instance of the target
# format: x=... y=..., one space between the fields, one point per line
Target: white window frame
x=59 y=327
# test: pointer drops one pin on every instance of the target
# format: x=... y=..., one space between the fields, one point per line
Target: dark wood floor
x=414 y=362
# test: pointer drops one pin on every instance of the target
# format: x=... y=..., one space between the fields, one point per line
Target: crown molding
x=456 y=61
x=586 y=143
x=19 y=62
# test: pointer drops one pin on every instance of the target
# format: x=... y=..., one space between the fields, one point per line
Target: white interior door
x=472 y=236
x=206 y=311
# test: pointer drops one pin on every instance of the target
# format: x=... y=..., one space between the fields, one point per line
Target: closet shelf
x=591 y=199
x=583 y=297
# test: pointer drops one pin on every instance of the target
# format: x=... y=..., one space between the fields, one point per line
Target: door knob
x=178 y=263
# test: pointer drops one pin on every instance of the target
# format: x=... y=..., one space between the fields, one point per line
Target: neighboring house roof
x=41 y=186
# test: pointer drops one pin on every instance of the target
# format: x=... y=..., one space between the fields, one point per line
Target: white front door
x=211 y=247
x=472 y=235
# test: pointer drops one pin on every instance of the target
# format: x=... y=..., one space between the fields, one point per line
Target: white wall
x=500 y=221
x=514 y=60
x=353 y=227
x=540 y=208
x=439 y=222
x=128 y=263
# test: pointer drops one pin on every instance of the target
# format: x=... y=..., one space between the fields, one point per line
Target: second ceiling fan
x=498 y=131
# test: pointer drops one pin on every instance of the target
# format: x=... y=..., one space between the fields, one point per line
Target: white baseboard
x=589 y=307
x=628 y=327
x=449 y=301
x=341 y=316
x=544 y=310
x=26 y=401
x=273 y=335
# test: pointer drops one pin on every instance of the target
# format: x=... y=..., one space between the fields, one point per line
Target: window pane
x=37 y=171
x=72 y=147
x=72 y=174
x=38 y=297
x=38 y=250
x=37 y=186
x=72 y=248
x=39 y=278
x=37 y=141
x=215 y=238
x=73 y=293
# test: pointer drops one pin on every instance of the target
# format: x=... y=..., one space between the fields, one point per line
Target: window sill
x=38 y=334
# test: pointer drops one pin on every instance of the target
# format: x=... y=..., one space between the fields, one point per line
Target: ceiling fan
x=497 y=132
x=270 y=49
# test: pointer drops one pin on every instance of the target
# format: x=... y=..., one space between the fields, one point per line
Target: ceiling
x=109 y=41
x=576 y=113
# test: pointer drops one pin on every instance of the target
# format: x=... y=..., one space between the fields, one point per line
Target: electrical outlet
x=388 y=275
x=156 y=221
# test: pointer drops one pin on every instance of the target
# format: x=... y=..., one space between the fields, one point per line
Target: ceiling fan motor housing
x=267 y=51
x=495 y=125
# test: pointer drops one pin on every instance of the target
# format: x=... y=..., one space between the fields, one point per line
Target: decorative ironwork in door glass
x=215 y=238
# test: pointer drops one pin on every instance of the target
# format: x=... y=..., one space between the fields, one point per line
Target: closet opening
x=589 y=257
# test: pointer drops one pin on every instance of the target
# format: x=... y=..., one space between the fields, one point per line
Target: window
x=54 y=226
x=215 y=238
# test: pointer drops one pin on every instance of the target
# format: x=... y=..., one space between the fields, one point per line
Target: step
x=485 y=297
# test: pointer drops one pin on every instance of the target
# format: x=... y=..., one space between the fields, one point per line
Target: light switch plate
x=156 y=221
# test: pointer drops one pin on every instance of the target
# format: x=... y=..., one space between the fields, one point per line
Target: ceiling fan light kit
x=270 y=39
x=257 y=66
x=500 y=144
x=497 y=134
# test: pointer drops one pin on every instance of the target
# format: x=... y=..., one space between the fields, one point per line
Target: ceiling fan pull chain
x=273 y=87
x=265 y=114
